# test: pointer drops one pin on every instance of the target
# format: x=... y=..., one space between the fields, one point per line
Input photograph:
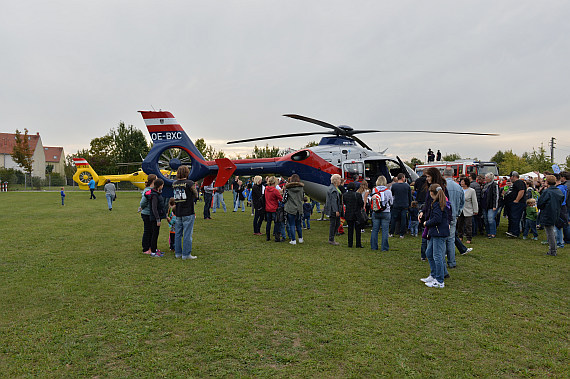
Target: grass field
x=77 y=298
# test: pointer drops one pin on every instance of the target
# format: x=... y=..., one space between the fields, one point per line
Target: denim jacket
x=456 y=197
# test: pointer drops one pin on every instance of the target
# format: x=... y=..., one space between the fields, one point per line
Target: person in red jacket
x=272 y=199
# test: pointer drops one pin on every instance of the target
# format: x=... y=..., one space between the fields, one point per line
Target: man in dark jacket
x=402 y=199
x=476 y=218
x=516 y=198
x=354 y=204
x=550 y=203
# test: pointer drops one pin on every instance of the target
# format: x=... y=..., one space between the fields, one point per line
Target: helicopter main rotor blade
x=436 y=132
x=317 y=122
x=360 y=142
x=277 y=136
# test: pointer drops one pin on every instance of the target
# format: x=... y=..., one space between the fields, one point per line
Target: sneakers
x=509 y=234
x=158 y=254
x=428 y=279
x=535 y=238
x=435 y=284
x=401 y=236
x=177 y=256
x=524 y=237
x=469 y=249
x=189 y=257
x=334 y=243
x=301 y=240
x=390 y=235
x=293 y=242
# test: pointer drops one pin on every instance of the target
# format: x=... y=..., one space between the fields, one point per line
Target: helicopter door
x=353 y=171
x=404 y=170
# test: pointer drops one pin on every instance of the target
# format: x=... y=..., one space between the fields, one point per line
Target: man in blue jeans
x=184 y=194
x=457 y=200
x=402 y=194
x=516 y=198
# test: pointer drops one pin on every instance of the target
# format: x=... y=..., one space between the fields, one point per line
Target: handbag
x=361 y=217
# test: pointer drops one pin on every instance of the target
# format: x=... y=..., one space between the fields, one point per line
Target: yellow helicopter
x=85 y=173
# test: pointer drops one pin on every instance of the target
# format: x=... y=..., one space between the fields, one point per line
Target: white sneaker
x=293 y=242
x=435 y=284
x=428 y=279
x=190 y=257
x=301 y=240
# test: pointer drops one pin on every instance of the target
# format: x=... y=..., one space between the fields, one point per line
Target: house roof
x=8 y=141
x=53 y=154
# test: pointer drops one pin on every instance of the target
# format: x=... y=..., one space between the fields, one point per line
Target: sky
x=72 y=70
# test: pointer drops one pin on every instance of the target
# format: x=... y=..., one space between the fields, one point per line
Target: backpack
x=378 y=204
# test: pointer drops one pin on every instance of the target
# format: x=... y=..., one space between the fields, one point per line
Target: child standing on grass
x=438 y=231
x=530 y=221
x=171 y=218
x=62 y=195
x=414 y=223
x=307 y=210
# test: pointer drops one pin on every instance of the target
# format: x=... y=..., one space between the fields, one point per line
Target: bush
x=12 y=176
x=56 y=180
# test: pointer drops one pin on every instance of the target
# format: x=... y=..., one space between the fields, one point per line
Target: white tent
x=531 y=175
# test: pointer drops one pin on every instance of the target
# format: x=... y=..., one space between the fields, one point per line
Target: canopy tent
x=531 y=175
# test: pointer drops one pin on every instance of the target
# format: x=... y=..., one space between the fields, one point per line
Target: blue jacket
x=92 y=184
x=549 y=203
x=438 y=224
x=456 y=197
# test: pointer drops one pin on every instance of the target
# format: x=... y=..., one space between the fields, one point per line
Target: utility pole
x=551 y=144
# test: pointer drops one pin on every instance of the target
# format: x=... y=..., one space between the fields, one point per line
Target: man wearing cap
x=516 y=198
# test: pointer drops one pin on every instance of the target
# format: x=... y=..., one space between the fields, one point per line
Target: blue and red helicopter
x=337 y=153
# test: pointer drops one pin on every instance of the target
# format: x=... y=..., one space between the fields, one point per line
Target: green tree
x=102 y=154
x=451 y=157
x=512 y=162
x=538 y=160
x=207 y=151
x=266 y=152
x=567 y=164
x=22 y=154
x=129 y=146
x=498 y=158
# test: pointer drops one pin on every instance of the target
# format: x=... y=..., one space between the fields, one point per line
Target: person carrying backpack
x=438 y=231
x=381 y=200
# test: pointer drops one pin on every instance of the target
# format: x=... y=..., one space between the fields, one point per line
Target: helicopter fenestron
x=337 y=153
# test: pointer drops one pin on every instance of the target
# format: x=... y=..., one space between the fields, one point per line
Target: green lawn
x=77 y=298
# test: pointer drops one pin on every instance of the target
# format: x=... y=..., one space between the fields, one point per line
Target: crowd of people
x=448 y=212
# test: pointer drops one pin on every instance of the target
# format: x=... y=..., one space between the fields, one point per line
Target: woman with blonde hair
x=381 y=201
x=333 y=207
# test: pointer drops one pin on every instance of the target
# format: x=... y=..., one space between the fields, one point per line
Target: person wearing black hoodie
x=354 y=204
